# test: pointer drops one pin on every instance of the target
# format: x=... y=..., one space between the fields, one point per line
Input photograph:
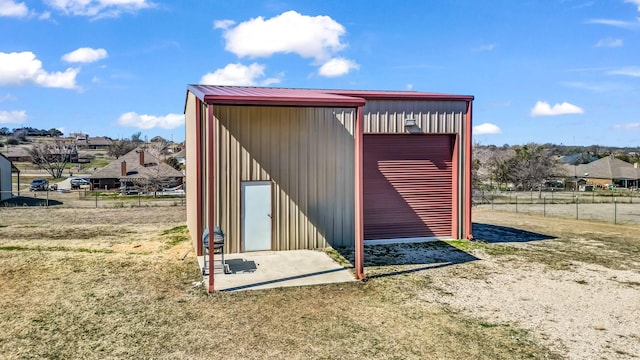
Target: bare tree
x=120 y=147
x=159 y=149
x=53 y=156
x=155 y=180
x=532 y=165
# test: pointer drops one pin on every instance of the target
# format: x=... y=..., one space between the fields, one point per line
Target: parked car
x=39 y=184
x=77 y=183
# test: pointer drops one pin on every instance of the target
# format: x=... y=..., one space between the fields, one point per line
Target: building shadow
x=427 y=255
x=503 y=234
x=18 y=201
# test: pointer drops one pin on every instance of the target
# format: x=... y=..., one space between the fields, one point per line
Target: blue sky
x=558 y=71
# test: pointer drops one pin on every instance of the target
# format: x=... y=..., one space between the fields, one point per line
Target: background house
x=93 y=143
x=604 y=172
x=282 y=169
x=6 y=169
x=17 y=153
x=136 y=169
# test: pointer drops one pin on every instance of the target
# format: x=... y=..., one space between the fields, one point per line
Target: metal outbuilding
x=285 y=169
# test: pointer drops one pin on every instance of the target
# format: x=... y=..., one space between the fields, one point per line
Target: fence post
x=138 y=199
x=516 y=204
x=576 y=207
x=544 y=206
x=96 y=199
x=47 y=197
x=615 y=211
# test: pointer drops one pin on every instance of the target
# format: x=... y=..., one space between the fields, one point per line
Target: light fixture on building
x=409 y=122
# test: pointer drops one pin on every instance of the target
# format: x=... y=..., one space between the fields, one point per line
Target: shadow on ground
x=423 y=255
x=28 y=201
x=503 y=234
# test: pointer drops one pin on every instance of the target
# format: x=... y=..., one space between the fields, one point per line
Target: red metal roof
x=400 y=95
x=238 y=95
x=241 y=95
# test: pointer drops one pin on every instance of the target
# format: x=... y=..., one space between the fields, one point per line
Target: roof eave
x=403 y=95
x=284 y=101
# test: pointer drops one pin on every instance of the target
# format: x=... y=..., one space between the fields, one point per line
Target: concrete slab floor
x=271 y=269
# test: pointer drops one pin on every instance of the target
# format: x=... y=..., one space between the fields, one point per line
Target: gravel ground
x=590 y=312
x=573 y=284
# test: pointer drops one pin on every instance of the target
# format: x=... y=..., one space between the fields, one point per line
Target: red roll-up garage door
x=407 y=185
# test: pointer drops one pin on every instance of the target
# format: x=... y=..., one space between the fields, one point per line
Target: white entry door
x=256 y=215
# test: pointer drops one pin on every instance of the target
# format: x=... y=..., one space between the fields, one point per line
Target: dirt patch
x=587 y=308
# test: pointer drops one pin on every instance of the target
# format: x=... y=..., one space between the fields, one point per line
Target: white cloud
x=13 y=117
x=316 y=37
x=19 y=68
x=409 y=87
x=7 y=97
x=609 y=43
x=85 y=55
x=486 y=47
x=223 y=24
x=337 y=67
x=630 y=126
x=10 y=8
x=486 y=128
x=542 y=108
x=99 y=8
x=635 y=2
x=633 y=71
x=597 y=87
x=631 y=25
x=238 y=75
x=133 y=119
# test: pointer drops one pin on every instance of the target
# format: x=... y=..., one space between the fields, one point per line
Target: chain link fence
x=84 y=198
x=619 y=206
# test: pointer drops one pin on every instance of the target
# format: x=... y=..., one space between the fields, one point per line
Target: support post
x=359 y=194
x=468 y=168
x=210 y=192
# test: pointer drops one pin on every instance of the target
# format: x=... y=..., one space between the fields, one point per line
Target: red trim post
x=468 y=150
x=198 y=162
x=359 y=194
x=455 y=185
x=210 y=191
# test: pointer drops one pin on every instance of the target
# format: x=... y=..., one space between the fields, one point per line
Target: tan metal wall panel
x=308 y=155
x=190 y=141
x=387 y=116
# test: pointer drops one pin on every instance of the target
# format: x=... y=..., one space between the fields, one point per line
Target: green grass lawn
x=124 y=283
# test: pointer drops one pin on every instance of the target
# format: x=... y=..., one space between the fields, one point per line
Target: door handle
x=269 y=215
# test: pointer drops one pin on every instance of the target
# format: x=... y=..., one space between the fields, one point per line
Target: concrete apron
x=271 y=269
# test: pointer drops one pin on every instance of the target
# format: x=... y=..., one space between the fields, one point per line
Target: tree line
x=23 y=132
x=535 y=166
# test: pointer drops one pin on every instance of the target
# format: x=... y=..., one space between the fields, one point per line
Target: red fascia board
x=285 y=101
x=401 y=95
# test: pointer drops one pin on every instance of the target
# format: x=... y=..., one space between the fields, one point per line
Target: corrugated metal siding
x=190 y=141
x=407 y=187
x=308 y=155
x=387 y=116
x=432 y=117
